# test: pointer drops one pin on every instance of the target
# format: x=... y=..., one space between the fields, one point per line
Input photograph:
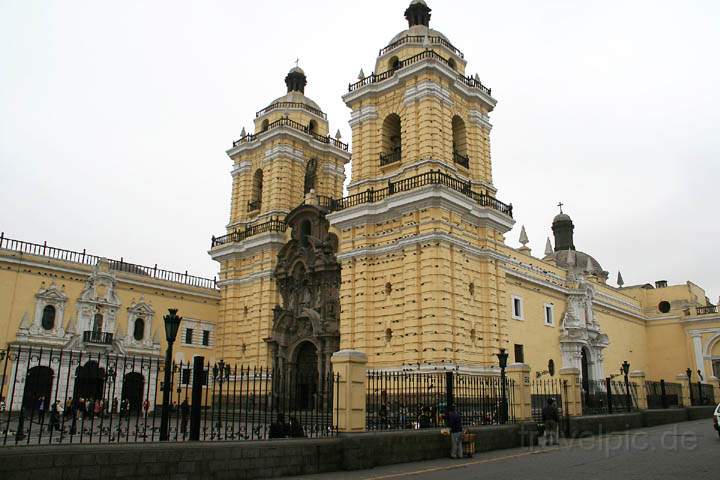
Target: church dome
x=578 y=262
x=297 y=97
x=562 y=217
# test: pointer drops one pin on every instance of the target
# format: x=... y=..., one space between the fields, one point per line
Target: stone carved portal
x=306 y=327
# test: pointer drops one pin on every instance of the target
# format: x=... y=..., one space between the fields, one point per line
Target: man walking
x=454 y=423
x=551 y=417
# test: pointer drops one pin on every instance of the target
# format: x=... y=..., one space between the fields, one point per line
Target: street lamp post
x=502 y=360
x=625 y=371
x=688 y=372
x=172 y=324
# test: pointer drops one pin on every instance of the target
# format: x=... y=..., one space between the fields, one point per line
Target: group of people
x=280 y=429
x=550 y=422
x=80 y=408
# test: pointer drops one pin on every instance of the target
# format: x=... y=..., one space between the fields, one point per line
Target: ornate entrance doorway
x=132 y=391
x=38 y=384
x=585 y=370
x=89 y=381
x=306 y=380
x=306 y=326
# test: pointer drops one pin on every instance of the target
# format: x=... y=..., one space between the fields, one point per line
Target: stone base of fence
x=247 y=460
x=599 y=424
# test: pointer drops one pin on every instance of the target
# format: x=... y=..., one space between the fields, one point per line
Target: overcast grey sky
x=115 y=116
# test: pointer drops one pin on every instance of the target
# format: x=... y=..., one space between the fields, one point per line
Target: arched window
x=48 y=317
x=310 y=175
x=452 y=64
x=257 y=187
x=139 y=330
x=394 y=63
x=265 y=125
x=312 y=126
x=98 y=323
x=460 y=149
x=391 y=140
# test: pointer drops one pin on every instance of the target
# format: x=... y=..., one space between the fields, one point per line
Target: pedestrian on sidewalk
x=454 y=423
x=551 y=418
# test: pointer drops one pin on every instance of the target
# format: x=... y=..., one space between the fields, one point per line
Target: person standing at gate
x=454 y=423
x=551 y=418
x=41 y=410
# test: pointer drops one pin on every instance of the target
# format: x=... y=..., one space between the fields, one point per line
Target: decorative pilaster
x=519 y=374
x=572 y=390
x=351 y=366
x=638 y=378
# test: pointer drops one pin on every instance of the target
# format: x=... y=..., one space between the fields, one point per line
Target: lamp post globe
x=172 y=325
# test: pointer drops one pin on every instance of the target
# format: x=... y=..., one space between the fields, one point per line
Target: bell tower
x=422 y=283
x=289 y=155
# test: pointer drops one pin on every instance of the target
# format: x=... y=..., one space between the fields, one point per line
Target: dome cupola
x=418 y=13
x=563 y=229
x=296 y=80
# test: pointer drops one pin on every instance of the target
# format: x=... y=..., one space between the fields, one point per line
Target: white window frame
x=551 y=307
x=521 y=314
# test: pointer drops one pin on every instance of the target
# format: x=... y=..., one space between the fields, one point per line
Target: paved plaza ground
x=689 y=450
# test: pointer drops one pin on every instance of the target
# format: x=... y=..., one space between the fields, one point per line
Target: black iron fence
x=411 y=400
x=543 y=390
x=662 y=394
x=54 y=397
x=702 y=394
x=608 y=396
x=121 y=265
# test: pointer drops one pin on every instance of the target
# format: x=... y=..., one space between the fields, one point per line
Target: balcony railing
x=281 y=105
x=371 y=196
x=435 y=40
x=418 y=181
x=274 y=225
x=254 y=205
x=461 y=160
x=426 y=55
x=286 y=122
x=706 y=309
x=387 y=159
x=121 y=265
x=99 y=338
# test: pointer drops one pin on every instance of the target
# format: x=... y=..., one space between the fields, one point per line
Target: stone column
x=637 y=377
x=682 y=379
x=519 y=375
x=351 y=366
x=573 y=387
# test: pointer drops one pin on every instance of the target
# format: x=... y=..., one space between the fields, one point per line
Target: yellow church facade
x=411 y=267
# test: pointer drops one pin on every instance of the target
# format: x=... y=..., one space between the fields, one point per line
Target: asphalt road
x=689 y=450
